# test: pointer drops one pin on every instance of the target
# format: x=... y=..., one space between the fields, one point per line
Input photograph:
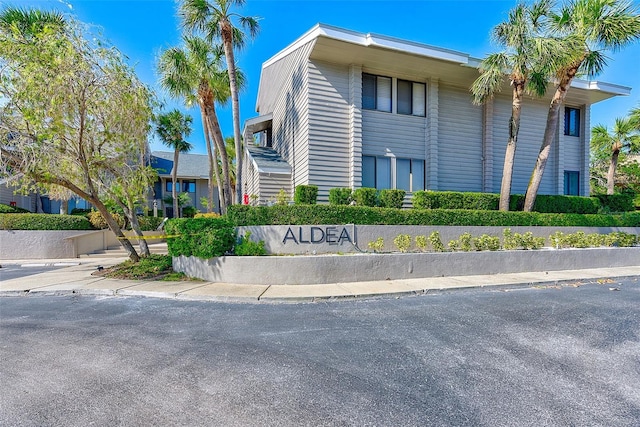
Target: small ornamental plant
x=436 y=242
x=422 y=243
x=402 y=242
x=377 y=245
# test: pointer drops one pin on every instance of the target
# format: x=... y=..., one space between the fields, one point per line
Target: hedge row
x=31 y=221
x=326 y=214
x=12 y=209
x=201 y=237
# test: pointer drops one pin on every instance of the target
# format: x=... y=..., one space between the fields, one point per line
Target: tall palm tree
x=30 y=22
x=193 y=73
x=528 y=56
x=588 y=28
x=622 y=139
x=214 y=18
x=172 y=127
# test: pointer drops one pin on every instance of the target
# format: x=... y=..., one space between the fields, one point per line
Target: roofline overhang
x=414 y=48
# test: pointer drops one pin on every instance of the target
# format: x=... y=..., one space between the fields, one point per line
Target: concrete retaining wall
x=319 y=269
x=307 y=239
x=30 y=244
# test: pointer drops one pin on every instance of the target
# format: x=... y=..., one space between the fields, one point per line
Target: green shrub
x=247 y=247
x=79 y=211
x=453 y=245
x=465 y=242
x=558 y=204
x=402 y=242
x=306 y=195
x=486 y=243
x=455 y=200
x=422 y=243
x=189 y=211
x=362 y=215
x=436 y=242
x=97 y=220
x=340 y=196
x=201 y=237
x=12 y=209
x=366 y=196
x=377 y=245
x=617 y=202
x=392 y=198
x=149 y=223
x=31 y=221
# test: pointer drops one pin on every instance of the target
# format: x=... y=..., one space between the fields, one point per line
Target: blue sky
x=142 y=28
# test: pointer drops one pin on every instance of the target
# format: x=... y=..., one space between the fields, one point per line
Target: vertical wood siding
x=459 y=141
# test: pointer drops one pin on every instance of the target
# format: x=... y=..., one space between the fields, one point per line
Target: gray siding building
x=338 y=108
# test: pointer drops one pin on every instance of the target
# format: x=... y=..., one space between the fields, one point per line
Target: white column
x=432 y=145
x=355 y=126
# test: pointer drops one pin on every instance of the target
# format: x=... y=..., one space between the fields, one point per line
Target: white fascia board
x=611 y=88
x=417 y=49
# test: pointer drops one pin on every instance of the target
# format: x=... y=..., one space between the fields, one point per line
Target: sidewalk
x=74 y=277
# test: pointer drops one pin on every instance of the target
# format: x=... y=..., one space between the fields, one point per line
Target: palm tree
x=30 y=22
x=623 y=139
x=171 y=127
x=588 y=28
x=528 y=56
x=194 y=74
x=214 y=18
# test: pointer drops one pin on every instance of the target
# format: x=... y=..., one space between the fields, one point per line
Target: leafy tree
x=588 y=28
x=529 y=56
x=72 y=110
x=623 y=139
x=193 y=73
x=214 y=19
x=172 y=127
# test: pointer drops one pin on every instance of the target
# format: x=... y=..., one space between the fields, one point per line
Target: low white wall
x=308 y=239
x=319 y=269
x=41 y=244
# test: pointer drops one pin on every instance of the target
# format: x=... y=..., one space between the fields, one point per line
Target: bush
x=617 y=202
x=558 y=204
x=31 y=221
x=149 y=223
x=12 y=209
x=207 y=215
x=402 y=242
x=392 y=198
x=201 y=237
x=306 y=195
x=455 y=200
x=362 y=215
x=377 y=245
x=78 y=211
x=248 y=247
x=97 y=220
x=340 y=196
x=366 y=196
x=189 y=211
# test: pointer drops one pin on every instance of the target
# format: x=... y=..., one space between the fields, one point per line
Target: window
x=377 y=173
x=376 y=93
x=571 y=183
x=189 y=186
x=168 y=187
x=411 y=98
x=571 y=121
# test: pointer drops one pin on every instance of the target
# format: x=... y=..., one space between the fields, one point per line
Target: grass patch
x=153 y=267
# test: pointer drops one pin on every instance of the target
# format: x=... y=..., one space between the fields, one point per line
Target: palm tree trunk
x=174 y=184
x=216 y=134
x=227 y=41
x=510 y=152
x=213 y=165
x=549 y=135
x=612 y=171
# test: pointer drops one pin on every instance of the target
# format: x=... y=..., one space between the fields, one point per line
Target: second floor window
x=411 y=98
x=376 y=93
x=571 y=121
x=189 y=186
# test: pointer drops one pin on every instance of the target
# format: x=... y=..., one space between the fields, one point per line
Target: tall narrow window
x=572 y=183
x=403 y=174
x=369 y=171
x=417 y=175
x=571 y=121
x=411 y=98
x=376 y=92
x=383 y=173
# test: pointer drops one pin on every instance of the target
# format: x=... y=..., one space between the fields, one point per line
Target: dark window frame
x=567 y=183
x=411 y=89
x=376 y=107
x=571 y=115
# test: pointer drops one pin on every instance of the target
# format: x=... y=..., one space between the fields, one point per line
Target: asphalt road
x=566 y=356
x=14 y=271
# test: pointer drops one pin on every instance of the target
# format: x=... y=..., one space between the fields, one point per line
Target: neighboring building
x=193 y=170
x=344 y=109
x=34 y=202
